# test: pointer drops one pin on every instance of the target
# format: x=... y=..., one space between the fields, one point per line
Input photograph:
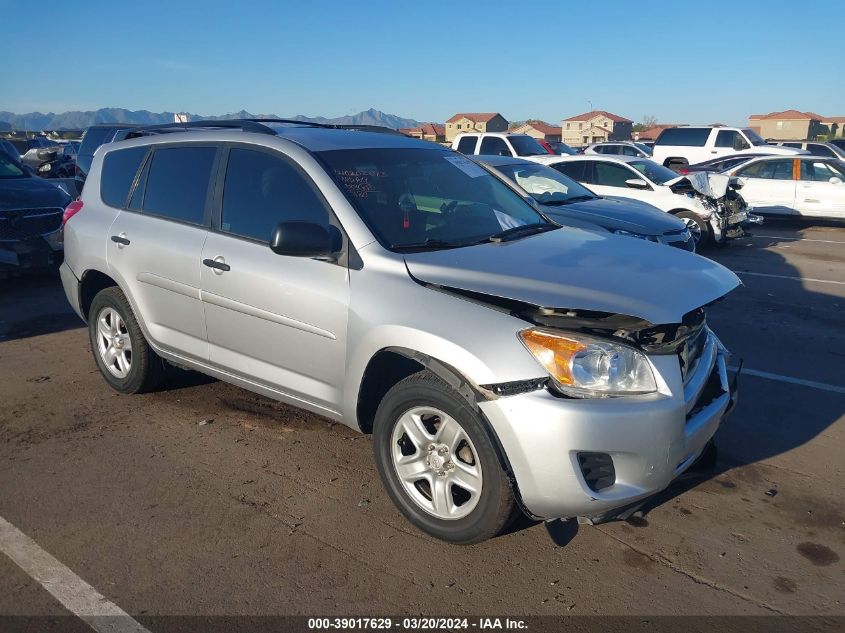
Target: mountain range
x=77 y=120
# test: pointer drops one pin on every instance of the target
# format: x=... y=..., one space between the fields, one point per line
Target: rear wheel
x=698 y=227
x=439 y=464
x=124 y=357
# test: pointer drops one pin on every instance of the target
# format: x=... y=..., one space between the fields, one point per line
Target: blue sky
x=694 y=62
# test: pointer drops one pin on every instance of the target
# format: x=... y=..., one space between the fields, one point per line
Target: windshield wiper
x=521 y=231
x=556 y=203
x=427 y=244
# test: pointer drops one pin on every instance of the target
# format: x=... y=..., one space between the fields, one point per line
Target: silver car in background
x=500 y=361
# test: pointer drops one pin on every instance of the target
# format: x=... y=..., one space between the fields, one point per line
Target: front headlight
x=650 y=238
x=45 y=167
x=584 y=366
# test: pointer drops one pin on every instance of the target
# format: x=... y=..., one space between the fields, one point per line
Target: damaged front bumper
x=588 y=457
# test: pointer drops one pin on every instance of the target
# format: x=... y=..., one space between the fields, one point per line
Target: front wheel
x=438 y=462
x=698 y=227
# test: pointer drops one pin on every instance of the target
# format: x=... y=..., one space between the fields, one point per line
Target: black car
x=839 y=142
x=31 y=211
x=719 y=164
x=92 y=138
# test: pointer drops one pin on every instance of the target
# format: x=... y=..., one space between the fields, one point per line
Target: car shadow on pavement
x=33 y=304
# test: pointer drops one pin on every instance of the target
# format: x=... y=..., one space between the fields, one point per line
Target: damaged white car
x=709 y=204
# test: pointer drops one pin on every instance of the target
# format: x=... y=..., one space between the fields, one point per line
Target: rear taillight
x=71 y=210
x=683 y=171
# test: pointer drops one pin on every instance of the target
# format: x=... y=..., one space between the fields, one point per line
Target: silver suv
x=500 y=361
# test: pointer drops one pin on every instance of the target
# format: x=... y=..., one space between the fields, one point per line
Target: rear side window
x=467 y=145
x=119 y=169
x=574 y=169
x=177 y=184
x=494 y=146
x=262 y=190
x=684 y=136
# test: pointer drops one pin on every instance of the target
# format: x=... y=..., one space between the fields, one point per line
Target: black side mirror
x=305 y=239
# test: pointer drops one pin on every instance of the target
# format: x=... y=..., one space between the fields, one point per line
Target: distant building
x=651 y=133
x=538 y=129
x=595 y=127
x=789 y=125
x=475 y=122
x=427 y=132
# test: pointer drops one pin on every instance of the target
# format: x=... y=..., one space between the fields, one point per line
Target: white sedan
x=810 y=186
x=644 y=180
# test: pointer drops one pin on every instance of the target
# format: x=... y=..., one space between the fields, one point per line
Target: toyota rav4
x=500 y=361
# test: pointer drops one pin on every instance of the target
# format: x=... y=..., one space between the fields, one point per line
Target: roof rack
x=330 y=126
x=248 y=125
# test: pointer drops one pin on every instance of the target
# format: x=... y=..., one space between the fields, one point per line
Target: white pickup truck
x=498 y=144
x=678 y=147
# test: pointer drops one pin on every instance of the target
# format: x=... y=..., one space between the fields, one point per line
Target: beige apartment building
x=538 y=129
x=789 y=125
x=595 y=127
x=475 y=122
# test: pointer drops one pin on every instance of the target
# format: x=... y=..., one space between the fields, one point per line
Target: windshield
x=654 y=172
x=644 y=148
x=423 y=198
x=756 y=139
x=10 y=169
x=546 y=185
x=527 y=146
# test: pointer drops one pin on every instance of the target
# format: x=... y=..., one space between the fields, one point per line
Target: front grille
x=598 y=470
x=690 y=351
x=24 y=224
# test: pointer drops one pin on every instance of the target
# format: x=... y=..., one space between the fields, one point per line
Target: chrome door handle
x=218 y=265
x=121 y=240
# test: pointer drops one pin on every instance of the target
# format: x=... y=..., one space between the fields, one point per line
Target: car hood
x=30 y=193
x=581 y=270
x=612 y=214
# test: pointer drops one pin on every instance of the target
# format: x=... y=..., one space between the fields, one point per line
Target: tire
x=115 y=334
x=700 y=229
x=421 y=412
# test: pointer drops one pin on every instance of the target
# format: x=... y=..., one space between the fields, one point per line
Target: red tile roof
x=478 y=117
x=654 y=130
x=787 y=115
x=834 y=119
x=542 y=126
x=590 y=115
x=432 y=129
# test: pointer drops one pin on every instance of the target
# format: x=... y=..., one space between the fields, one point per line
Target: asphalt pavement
x=205 y=499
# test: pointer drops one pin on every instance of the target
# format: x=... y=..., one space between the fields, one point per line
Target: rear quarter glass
x=119 y=169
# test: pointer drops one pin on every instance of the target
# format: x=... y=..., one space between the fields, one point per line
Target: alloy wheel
x=113 y=342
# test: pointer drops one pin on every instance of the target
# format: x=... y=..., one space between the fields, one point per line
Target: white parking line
x=818 y=281
x=795 y=381
x=75 y=594
x=795 y=239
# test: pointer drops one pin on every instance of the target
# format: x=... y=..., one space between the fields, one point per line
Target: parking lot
x=205 y=499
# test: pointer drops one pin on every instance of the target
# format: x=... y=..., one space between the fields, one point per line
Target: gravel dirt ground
x=205 y=499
